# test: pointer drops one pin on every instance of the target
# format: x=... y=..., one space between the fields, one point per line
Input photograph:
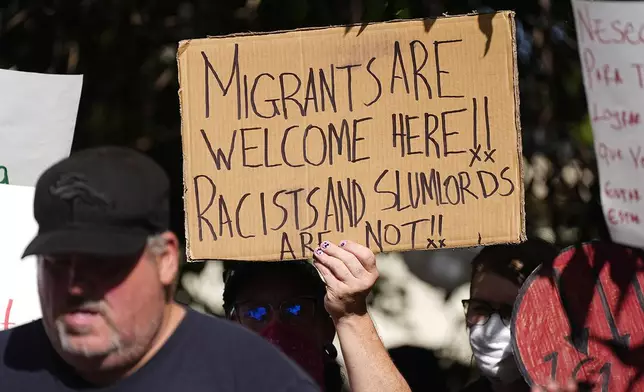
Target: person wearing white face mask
x=497 y=274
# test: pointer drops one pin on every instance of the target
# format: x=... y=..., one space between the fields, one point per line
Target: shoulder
x=214 y=331
x=27 y=337
x=228 y=338
x=218 y=333
x=22 y=349
x=301 y=385
x=246 y=354
x=4 y=341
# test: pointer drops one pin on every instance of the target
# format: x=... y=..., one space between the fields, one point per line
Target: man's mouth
x=81 y=317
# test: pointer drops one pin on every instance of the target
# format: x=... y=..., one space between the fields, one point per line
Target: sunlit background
x=127 y=52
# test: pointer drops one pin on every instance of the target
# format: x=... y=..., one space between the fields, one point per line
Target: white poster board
x=37 y=119
x=610 y=36
x=19 y=303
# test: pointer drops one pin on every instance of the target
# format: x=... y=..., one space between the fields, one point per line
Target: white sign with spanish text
x=610 y=37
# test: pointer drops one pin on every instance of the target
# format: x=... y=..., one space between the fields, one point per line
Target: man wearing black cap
x=107 y=267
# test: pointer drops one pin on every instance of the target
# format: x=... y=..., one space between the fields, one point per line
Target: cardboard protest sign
x=583 y=317
x=37 y=119
x=610 y=40
x=19 y=302
x=400 y=135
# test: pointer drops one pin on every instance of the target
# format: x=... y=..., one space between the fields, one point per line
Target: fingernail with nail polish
x=343 y=243
x=318 y=252
x=325 y=244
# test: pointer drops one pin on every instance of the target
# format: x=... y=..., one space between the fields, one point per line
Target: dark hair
x=237 y=274
x=514 y=261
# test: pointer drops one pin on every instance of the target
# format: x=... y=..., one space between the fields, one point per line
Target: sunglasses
x=256 y=315
x=478 y=312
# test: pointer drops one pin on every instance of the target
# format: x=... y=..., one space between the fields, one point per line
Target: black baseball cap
x=102 y=201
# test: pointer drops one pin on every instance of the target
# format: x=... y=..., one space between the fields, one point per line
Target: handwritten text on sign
x=611 y=37
x=6 y=320
x=396 y=137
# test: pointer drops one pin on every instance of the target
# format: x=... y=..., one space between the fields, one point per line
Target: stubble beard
x=117 y=347
x=64 y=336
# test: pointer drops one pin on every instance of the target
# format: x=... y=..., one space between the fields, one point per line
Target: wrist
x=352 y=321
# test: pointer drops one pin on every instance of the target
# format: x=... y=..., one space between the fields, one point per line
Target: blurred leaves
x=584 y=132
x=374 y=10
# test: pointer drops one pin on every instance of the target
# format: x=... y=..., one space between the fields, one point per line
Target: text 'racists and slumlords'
x=321 y=117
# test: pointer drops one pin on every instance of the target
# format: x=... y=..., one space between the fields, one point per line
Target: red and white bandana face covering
x=299 y=347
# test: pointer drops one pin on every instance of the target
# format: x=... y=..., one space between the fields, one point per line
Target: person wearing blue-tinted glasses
x=290 y=305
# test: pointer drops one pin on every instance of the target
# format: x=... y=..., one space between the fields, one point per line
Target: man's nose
x=76 y=279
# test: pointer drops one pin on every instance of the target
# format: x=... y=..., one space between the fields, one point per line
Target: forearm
x=367 y=361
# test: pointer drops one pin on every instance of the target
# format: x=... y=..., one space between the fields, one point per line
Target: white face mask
x=492 y=350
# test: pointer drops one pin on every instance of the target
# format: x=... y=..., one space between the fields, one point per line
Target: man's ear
x=168 y=261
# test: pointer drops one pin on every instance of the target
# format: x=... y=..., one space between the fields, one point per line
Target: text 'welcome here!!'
x=400 y=136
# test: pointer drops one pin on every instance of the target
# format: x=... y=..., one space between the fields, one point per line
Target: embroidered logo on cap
x=74 y=187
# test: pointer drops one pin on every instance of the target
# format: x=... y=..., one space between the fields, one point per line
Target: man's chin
x=86 y=348
x=86 y=342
